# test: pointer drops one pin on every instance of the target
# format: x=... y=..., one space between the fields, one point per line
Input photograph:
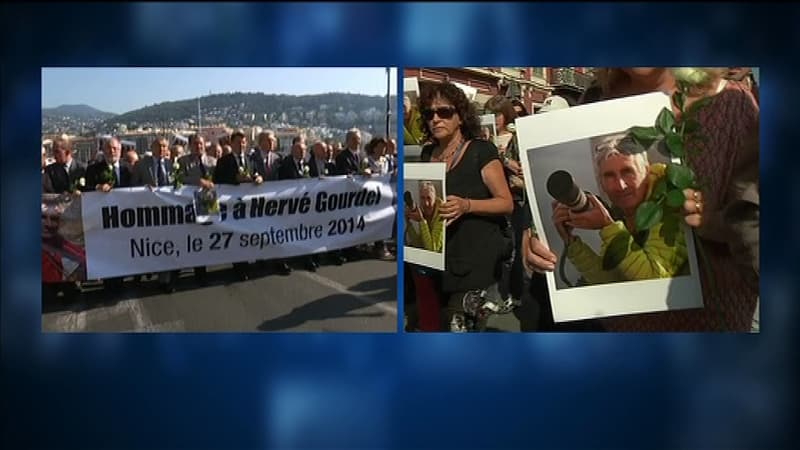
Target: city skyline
x=119 y=90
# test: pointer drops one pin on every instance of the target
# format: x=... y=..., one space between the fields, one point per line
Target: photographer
x=627 y=180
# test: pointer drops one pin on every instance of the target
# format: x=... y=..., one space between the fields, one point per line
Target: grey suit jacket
x=144 y=173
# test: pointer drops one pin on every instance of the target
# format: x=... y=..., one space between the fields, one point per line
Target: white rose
x=368 y=171
x=365 y=161
x=241 y=169
x=176 y=165
x=325 y=172
x=82 y=182
x=305 y=170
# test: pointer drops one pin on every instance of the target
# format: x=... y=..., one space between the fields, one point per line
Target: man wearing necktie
x=64 y=173
x=153 y=171
x=293 y=169
x=348 y=162
x=95 y=181
x=266 y=163
x=234 y=168
x=194 y=173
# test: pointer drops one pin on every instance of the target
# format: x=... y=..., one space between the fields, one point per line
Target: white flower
x=325 y=171
x=176 y=165
x=368 y=171
x=365 y=162
x=511 y=128
x=82 y=182
x=241 y=169
x=691 y=75
x=305 y=170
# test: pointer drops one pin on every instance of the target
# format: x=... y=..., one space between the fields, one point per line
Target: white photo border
x=612 y=299
x=425 y=172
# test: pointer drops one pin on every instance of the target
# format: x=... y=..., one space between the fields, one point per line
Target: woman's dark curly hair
x=470 y=122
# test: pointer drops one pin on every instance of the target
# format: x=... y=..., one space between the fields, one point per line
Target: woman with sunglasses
x=477 y=201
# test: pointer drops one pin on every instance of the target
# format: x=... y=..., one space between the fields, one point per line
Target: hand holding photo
x=425 y=225
x=614 y=219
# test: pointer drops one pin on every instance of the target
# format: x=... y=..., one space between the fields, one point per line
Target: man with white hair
x=626 y=177
x=65 y=173
x=349 y=160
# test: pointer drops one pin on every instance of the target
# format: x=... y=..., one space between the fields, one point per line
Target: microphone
x=562 y=187
x=409 y=200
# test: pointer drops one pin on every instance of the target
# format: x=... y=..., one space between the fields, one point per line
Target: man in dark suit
x=194 y=174
x=319 y=165
x=348 y=162
x=97 y=180
x=65 y=173
x=266 y=161
x=120 y=173
x=294 y=167
x=234 y=168
x=155 y=171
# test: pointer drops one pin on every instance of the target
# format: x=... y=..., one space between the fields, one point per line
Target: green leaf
x=665 y=121
x=659 y=189
x=669 y=229
x=679 y=99
x=647 y=215
x=674 y=144
x=680 y=176
x=616 y=251
x=644 y=136
x=675 y=198
x=690 y=126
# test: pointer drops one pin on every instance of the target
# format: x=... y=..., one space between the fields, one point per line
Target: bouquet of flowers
x=365 y=169
x=108 y=175
x=177 y=175
x=78 y=185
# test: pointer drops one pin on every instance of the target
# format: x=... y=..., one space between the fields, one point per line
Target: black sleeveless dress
x=474 y=244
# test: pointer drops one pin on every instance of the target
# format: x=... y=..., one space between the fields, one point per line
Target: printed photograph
x=219 y=199
x=425 y=234
x=610 y=208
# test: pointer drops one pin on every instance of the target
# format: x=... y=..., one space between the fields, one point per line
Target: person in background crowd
x=412 y=134
x=176 y=152
x=294 y=167
x=348 y=162
x=235 y=168
x=155 y=170
x=66 y=173
x=195 y=173
x=513 y=282
x=379 y=164
x=478 y=199
x=97 y=179
x=267 y=162
x=131 y=158
x=213 y=154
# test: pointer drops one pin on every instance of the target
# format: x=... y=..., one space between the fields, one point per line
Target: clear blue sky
x=119 y=90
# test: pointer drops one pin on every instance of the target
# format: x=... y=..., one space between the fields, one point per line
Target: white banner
x=135 y=230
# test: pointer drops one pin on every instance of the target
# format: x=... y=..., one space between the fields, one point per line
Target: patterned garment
x=729 y=122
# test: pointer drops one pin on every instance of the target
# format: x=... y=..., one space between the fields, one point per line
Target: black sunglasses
x=444 y=112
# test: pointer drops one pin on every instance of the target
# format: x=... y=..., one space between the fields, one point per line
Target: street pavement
x=358 y=296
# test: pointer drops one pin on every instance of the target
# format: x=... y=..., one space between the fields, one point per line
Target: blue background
x=369 y=391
